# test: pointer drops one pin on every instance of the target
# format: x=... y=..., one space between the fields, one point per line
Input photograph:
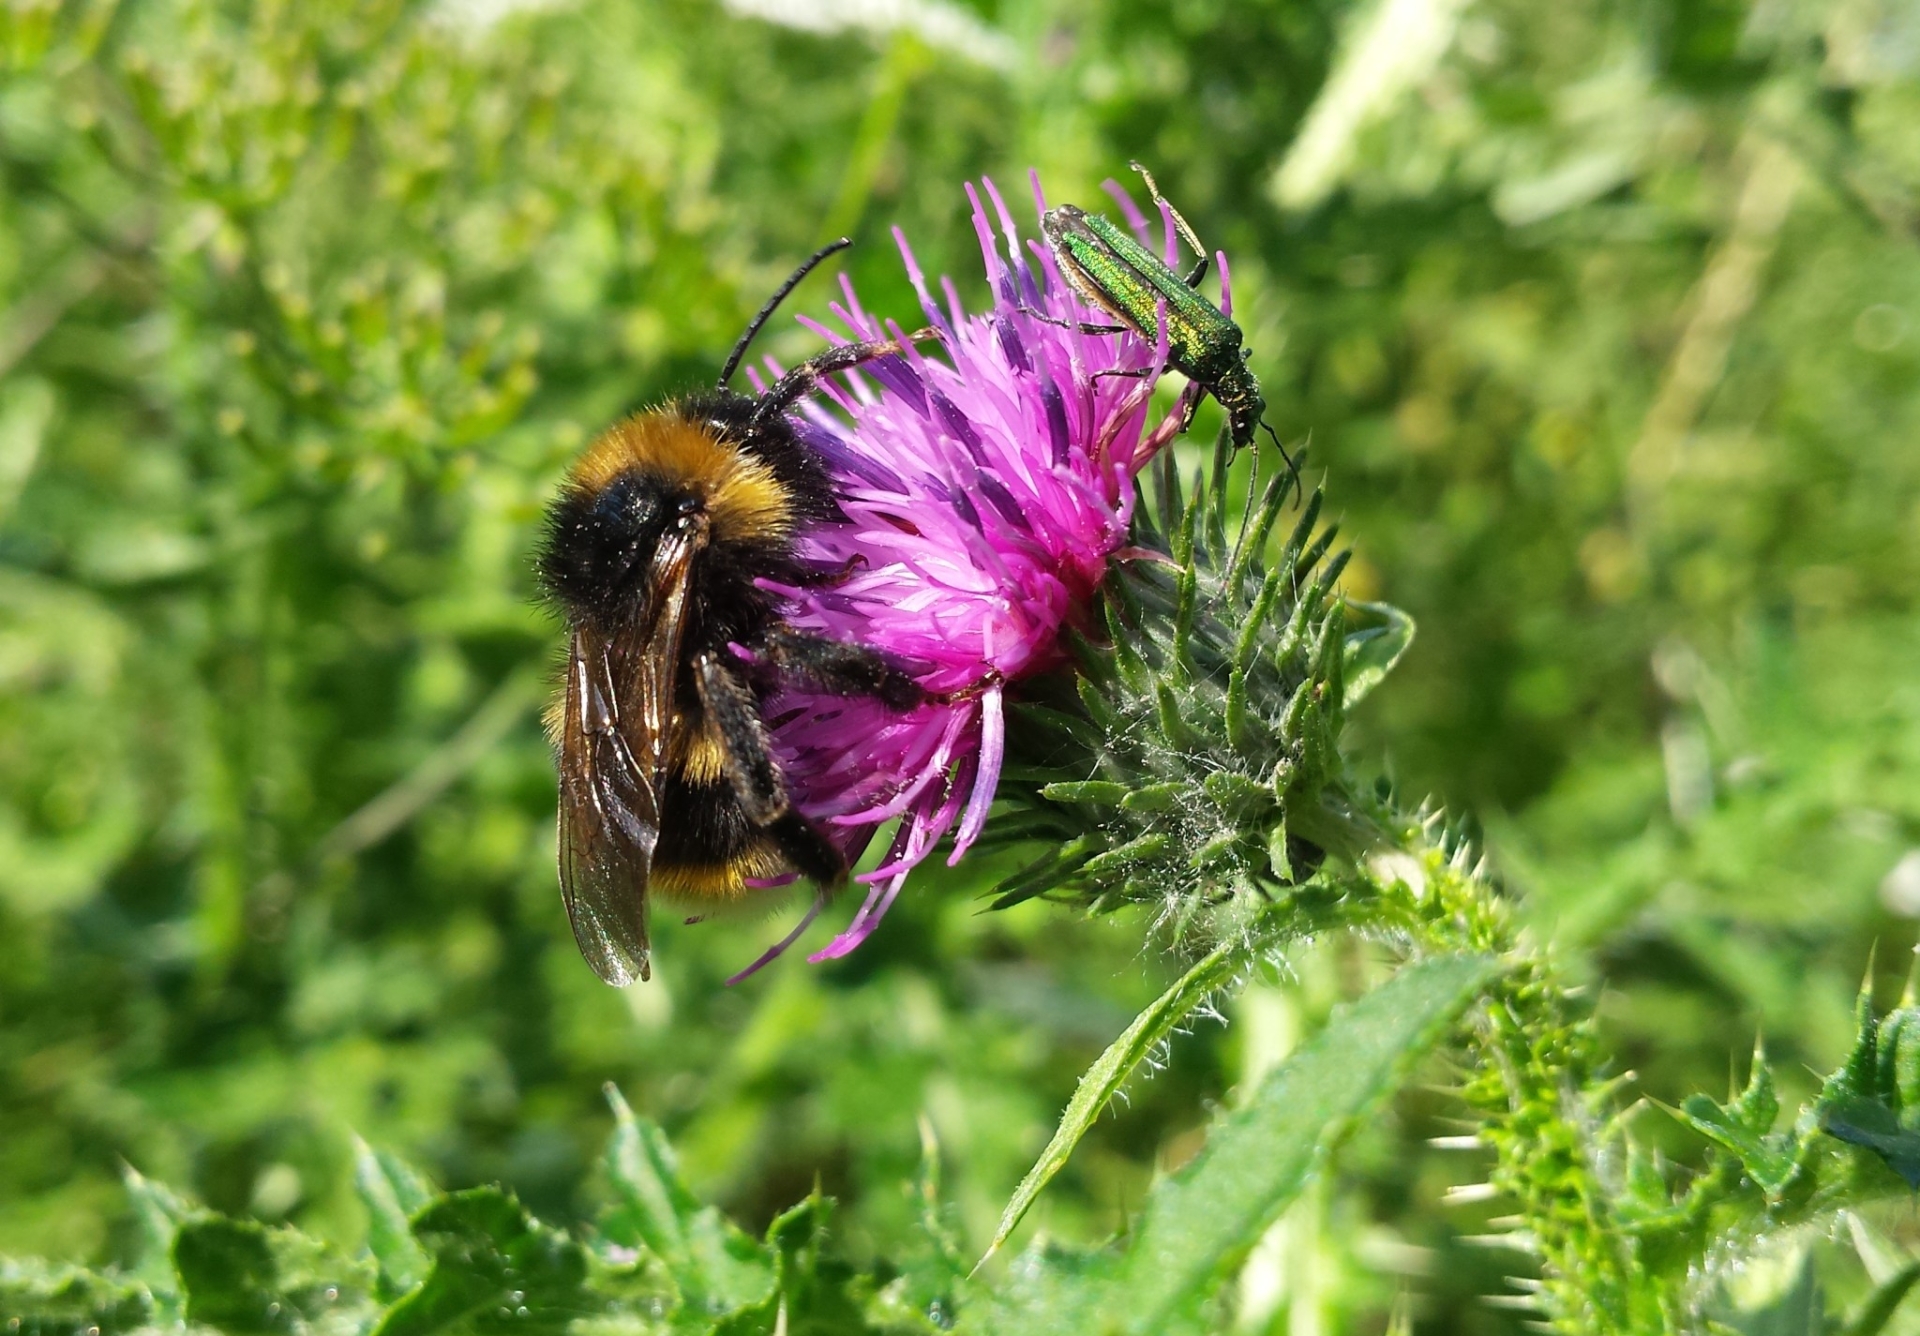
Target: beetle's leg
x=1068 y=324
x=1193 y=407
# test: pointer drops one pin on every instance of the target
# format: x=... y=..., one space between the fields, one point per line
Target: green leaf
x=1872 y=1125
x=1897 y=1042
x=241 y=1276
x=38 y=1300
x=391 y=1192
x=813 y=1294
x=495 y=1269
x=1859 y=1076
x=157 y=1216
x=1768 y=1163
x=1860 y=1102
x=1741 y=1129
x=1110 y=1071
x=1881 y=1305
x=933 y=1266
x=1373 y=651
x=1800 y=1311
x=717 y=1267
x=1200 y=1223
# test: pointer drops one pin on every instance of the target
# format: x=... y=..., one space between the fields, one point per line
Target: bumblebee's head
x=599 y=538
x=659 y=469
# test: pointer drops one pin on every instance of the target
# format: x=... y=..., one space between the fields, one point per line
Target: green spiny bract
x=1194 y=767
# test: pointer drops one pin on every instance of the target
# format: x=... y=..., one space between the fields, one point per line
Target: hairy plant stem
x=1538 y=1090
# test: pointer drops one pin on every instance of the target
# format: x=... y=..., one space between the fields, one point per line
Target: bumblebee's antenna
x=766 y=312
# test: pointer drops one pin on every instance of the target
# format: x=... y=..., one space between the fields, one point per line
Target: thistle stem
x=1538 y=1091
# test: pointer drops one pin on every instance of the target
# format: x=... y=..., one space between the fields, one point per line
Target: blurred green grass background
x=1601 y=318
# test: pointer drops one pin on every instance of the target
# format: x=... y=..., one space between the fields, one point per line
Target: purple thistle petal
x=987 y=483
x=919 y=281
x=774 y=952
x=993 y=750
x=1123 y=200
x=879 y=900
x=1169 y=236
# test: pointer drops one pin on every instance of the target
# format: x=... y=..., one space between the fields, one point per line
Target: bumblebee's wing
x=619 y=710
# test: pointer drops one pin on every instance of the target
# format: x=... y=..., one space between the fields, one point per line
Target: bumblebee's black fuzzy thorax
x=597 y=541
x=732 y=418
x=756 y=484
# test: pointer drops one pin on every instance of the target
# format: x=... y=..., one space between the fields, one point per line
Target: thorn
x=1521 y=1243
x=1608 y=1089
x=1457 y=1143
x=1511 y=1301
x=1468 y=1193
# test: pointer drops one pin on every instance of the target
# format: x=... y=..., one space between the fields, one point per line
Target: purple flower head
x=988 y=480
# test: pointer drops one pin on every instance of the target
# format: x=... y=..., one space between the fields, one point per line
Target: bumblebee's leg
x=841 y=669
x=811 y=853
x=749 y=766
x=799 y=382
x=833 y=575
x=755 y=778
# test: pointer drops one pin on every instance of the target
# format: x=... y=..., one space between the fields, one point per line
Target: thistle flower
x=987 y=486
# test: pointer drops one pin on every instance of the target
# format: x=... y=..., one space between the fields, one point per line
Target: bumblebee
x=652 y=554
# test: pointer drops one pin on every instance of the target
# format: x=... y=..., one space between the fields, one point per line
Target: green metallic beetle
x=1113 y=271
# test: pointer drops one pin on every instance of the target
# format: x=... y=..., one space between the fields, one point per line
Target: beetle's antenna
x=766 y=312
x=1181 y=225
x=1293 y=469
